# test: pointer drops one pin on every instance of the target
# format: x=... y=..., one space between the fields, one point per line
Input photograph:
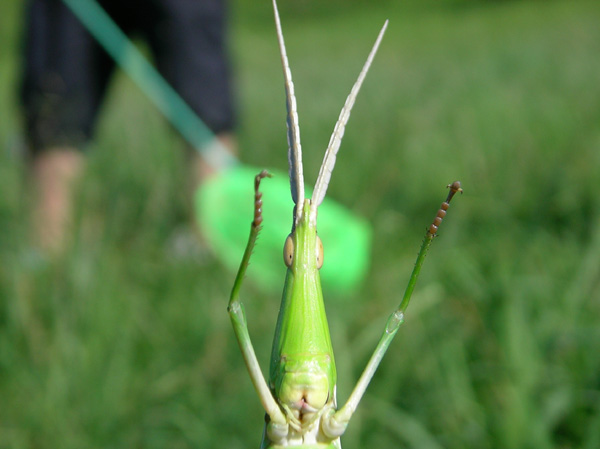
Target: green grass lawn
x=124 y=343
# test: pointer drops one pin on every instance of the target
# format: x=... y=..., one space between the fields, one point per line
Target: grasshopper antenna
x=338 y=133
x=293 y=129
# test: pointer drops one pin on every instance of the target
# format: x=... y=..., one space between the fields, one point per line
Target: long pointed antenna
x=338 y=133
x=293 y=131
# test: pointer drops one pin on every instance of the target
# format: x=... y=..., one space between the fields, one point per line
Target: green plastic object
x=225 y=207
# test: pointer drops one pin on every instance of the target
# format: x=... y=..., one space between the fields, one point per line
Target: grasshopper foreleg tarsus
x=441 y=213
x=258 y=197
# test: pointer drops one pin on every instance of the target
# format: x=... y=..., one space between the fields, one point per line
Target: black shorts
x=66 y=71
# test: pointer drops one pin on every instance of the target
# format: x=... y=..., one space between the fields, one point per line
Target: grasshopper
x=300 y=397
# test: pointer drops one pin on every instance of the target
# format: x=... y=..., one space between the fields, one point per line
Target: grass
x=124 y=344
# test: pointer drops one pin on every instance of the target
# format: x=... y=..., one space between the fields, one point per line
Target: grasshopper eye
x=288 y=251
x=319 y=253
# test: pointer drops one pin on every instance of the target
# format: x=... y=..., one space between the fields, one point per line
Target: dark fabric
x=66 y=72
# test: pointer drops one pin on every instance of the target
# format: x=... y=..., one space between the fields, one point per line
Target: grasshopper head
x=303 y=247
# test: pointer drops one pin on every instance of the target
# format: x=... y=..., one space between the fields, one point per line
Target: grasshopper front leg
x=335 y=422
x=278 y=425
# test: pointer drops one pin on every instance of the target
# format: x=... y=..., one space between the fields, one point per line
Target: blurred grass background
x=124 y=343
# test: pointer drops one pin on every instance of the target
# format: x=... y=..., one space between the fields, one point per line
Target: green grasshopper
x=300 y=398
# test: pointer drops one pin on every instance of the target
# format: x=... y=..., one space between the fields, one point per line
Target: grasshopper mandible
x=300 y=397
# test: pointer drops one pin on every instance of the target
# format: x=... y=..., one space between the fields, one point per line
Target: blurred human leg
x=65 y=75
x=54 y=173
x=189 y=40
